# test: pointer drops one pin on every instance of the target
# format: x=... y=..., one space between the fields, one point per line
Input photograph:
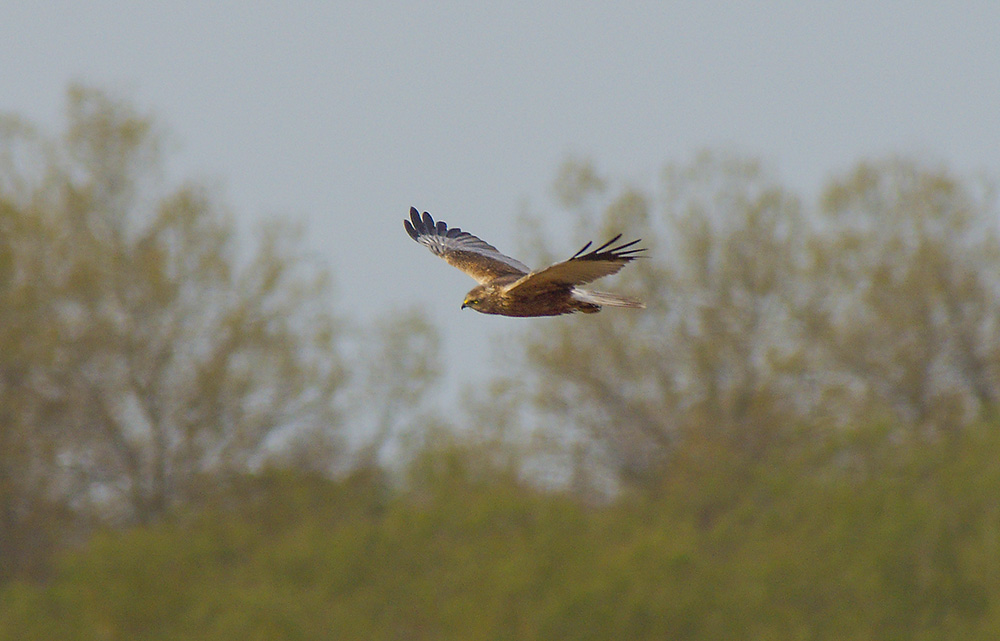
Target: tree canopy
x=145 y=351
x=768 y=317
x=797 y=439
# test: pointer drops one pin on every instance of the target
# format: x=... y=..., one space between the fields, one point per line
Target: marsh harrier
x=508 y=287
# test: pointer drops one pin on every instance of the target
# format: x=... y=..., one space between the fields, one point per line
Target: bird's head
x=478 y=299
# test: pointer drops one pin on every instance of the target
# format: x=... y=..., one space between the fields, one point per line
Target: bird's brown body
x=491 y=299
x=507 y=287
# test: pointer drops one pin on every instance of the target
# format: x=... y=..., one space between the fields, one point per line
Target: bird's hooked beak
x=464 y=305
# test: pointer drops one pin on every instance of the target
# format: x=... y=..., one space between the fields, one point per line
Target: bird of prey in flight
x=507 y=287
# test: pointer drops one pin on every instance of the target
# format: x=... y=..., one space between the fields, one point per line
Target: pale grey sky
x=344 y=114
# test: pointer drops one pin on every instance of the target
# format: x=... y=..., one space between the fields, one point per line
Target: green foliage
x=144 y=352
x=402 y=365
x=32 y=521
x=767 y=316
x=802 y=419
x=812 y=545
x=905 y=291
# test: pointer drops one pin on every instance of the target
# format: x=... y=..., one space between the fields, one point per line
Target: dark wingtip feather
x=607 y=244
x=425 y=225
x=619 y=248
x=582 y=249
x=622 y=252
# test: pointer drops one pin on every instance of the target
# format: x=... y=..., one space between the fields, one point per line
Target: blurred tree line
x=797 y=439
x=770 y=320
x=146 y=354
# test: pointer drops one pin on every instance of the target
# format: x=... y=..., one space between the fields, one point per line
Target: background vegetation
x=797 y=440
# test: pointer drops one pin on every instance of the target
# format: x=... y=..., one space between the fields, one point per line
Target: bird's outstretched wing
x=580 y=269
x=471 y=254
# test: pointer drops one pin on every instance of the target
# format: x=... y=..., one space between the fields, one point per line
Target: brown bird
x=508 y=287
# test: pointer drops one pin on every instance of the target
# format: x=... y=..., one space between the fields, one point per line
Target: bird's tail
x=604 y=298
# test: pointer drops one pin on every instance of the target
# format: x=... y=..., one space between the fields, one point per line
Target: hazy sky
x=345 y=114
